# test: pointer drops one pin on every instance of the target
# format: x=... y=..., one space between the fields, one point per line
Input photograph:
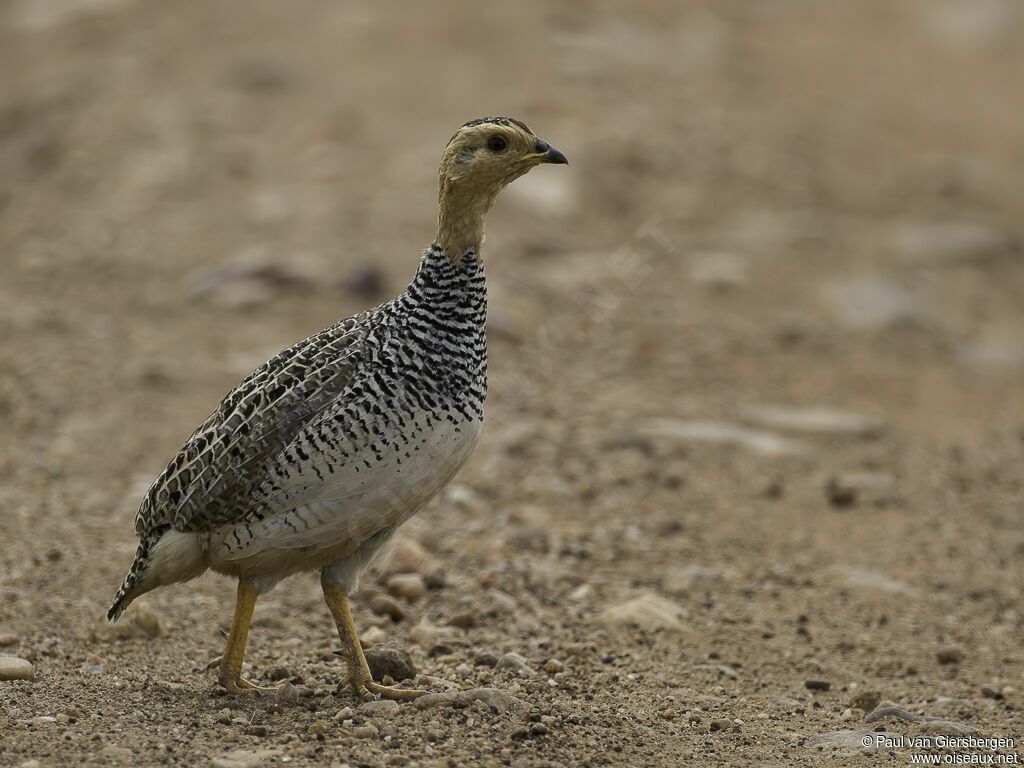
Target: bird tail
x=130 y=588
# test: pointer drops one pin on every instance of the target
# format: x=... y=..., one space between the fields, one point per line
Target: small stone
x=721 y=433
x=953 y=242
x=93 y=665
x=13 y=668
x=390 y=661
x=718 y=270
x=855 y=740
x=883 y=713
x=408 y=586
x=383 y=605
x=683 y=579
x=495 y=699
x=514 y=664
x=845 y=489
x=646 y=610
x=538 y=729
x=425 y=634
x=465 y=620
x=815 y=420
x=947 y=727
x=441 y=649
x=380 y=708
x=950 y=655
x=258 y=730
x=551 y=666
x=866 y=700
x=874 y=303
x=869 y=579
x=140 y=622
x=367 y=281
x=223 y=717
x=247 y=758
x=373 y=636
x=991 y=693
x=345 y=713
x=8 y=639
x=720 y=724
x=817 y=685
x=113 y=755
x=318 y=728
x=486 y=659
x=365 y=731
x=407 y=556
x=276 y=673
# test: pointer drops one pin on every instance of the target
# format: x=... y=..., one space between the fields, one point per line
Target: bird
x=318 y=456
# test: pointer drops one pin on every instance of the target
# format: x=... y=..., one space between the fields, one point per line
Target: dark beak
x=549 y=154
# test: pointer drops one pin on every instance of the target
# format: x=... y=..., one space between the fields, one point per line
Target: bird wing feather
x=212 y=476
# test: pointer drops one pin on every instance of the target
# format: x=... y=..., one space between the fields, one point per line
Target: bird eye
x=496 y=143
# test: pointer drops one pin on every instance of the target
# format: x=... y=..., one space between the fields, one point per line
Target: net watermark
x=952 y=750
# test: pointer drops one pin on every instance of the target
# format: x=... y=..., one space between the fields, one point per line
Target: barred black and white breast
x=319 y=454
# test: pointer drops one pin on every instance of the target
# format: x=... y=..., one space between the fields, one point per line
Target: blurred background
x=756 y=354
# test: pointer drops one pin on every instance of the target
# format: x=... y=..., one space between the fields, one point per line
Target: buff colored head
x=482 y=158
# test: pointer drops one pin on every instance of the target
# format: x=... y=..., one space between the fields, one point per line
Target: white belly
x=335 y=517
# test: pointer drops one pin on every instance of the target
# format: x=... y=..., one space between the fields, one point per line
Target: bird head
x=482 y=158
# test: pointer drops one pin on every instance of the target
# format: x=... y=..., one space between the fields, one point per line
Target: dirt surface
x=799 y=204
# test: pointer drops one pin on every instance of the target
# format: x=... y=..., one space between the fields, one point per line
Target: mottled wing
x=210 y=480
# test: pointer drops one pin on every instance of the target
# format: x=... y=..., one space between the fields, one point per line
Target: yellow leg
x=359 y=676
x=231 y=662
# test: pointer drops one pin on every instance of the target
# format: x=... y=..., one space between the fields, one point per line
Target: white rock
x=681 y=579
x=514 y=664
x=953 y=242
x=246 y=758
x=874 y=303
x=408 y=586
x=718 y=269
x=13 y=668
x=812 y=420
x=869 y=579
x=722 y=433
x=646 y=610
x=496 y=699
x=855 y=741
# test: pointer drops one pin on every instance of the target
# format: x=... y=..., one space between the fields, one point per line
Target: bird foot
x=239 y=685
x=367 y=690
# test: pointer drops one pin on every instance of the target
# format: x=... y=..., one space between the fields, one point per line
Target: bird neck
x=462 y=208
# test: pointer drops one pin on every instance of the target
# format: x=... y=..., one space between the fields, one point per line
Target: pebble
x=683 y=579
x=718 y=270
x=552 y=666
x=485 y=659
x=947 y=727
x=246 y=758
x=380 y=707
x=814 y=420
x=939 y=243
x=258 y=730
x=991 y=693
x=950 y=655
x=318 y=728
x=874 y=303
x=373 y=636
x=408 y=556
x=646 y=610
x=389 y=661
x=870 y=579
x=140 y=622
x=846 y=488
x=720 y=724
x=515 y=665
x=721 y=433
x=885 y=712
x=817 y=685
x=866 y=700
x=852 y=740
x=465 y=620
x=990 y=353
x=425 y=634
x=365 y=731
x=497 y=700
x=345 y=713
x=8 y=639
x=383 y=605
x=13 y=668
x=408 y=586
x=253 y=276
x=276 y=673
x=93 y=665
x=112 y=755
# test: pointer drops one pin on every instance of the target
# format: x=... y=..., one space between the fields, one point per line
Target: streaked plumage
x=316 y=458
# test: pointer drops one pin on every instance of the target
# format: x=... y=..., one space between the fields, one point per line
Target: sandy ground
x=801 y=205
